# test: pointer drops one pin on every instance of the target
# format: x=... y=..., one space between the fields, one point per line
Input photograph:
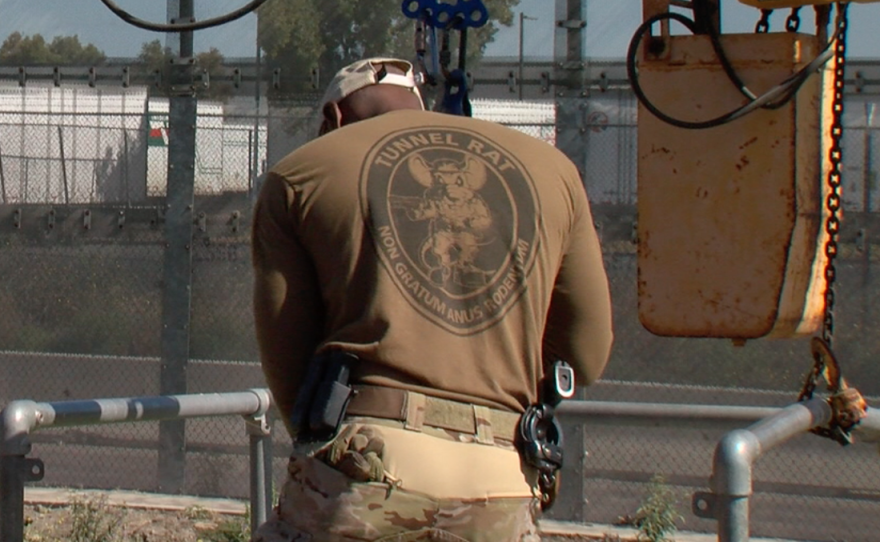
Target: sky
x=610 y=24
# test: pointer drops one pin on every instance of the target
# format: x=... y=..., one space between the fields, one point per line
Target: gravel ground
x=119 y=516
x=94 y=520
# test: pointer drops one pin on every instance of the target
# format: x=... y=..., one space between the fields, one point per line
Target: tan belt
x=417 y=409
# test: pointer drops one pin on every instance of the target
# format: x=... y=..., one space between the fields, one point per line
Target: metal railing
x=19 y=418
x=727 y=502
x=735 y=453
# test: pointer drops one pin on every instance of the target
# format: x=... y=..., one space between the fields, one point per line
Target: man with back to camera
x=422 y=272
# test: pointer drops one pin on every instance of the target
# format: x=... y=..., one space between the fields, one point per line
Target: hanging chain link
x=832 y=201
x=763 y=25
x=848 y=407
x=793 y=23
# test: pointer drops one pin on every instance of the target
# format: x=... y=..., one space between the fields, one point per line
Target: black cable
x=187 y=27
x=793 y=82
x=729 y=70
x=632 y=73
x=771 y=99
x=701 y=10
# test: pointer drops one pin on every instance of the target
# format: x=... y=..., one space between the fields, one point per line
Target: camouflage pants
x=416 y=499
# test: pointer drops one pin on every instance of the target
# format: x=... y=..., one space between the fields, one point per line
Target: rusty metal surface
x=729 y=216
x=775 y=4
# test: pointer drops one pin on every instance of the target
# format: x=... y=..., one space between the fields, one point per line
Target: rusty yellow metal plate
x=774 y=4
x=730 y=218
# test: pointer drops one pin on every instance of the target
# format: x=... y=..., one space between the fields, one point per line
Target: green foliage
x=92 y=521
x=232 y=530
x=298 y=35
x=197 y=513
x=658 y=514
x=70 y=51
x=18 y=50
x=211 y=61
x=156 y=58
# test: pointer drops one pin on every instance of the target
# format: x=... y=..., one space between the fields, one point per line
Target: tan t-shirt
x=454 y=256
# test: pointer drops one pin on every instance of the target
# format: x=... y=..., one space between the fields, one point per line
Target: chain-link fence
x=808 y=489
x=83 y=252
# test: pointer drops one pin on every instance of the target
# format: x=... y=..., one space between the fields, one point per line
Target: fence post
x=260 y=435
x=570 y=92
x=177 y=290
x=63 y=166
x=867 y=222
x=252 y=168
x=570 y=80
x=16 y=422
x=2 y=180
x=125 y=182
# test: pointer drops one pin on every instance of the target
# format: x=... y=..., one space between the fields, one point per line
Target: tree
x=211 y=62
x=156 y=58
x=153 y=57
x=69 y=50
x=18 y=50
x=299 y=35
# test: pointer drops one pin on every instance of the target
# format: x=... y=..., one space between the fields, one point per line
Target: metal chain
x=833 y=201
x=793 y=23
x=848 y=406
x=763 y=25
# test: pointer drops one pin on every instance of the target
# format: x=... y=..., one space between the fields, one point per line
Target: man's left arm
x=579 y=323
x=287 y=300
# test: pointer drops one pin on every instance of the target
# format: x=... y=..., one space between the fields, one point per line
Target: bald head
x=375 y=100
x=369 y=102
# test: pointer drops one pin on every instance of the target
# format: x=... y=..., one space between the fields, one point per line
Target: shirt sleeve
x=287 y=299
x=579 y=327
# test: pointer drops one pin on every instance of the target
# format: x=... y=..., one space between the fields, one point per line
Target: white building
x=76 y=144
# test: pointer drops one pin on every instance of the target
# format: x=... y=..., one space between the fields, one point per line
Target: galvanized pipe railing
x=19 y=418
x=736 y=452
x=731 y=480
x=597 y=411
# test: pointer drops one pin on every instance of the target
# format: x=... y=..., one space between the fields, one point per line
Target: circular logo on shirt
x=454 y=218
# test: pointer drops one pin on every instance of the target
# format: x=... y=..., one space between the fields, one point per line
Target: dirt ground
x=95 y=521
x=96 y=516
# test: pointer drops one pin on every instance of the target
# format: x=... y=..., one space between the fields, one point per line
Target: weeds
x=657 y=516
x=237 y=529
x=91 y=520
x=197 y=513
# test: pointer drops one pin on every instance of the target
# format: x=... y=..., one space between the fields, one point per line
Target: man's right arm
x=579 y=328
x=287 y=299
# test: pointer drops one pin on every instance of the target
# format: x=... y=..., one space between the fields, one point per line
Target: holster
x=323 y=397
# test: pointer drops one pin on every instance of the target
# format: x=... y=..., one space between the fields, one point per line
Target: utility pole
x=255 y=173
x=177 y=270
x=172 y=39
x=522 y=19
x=571 y=104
